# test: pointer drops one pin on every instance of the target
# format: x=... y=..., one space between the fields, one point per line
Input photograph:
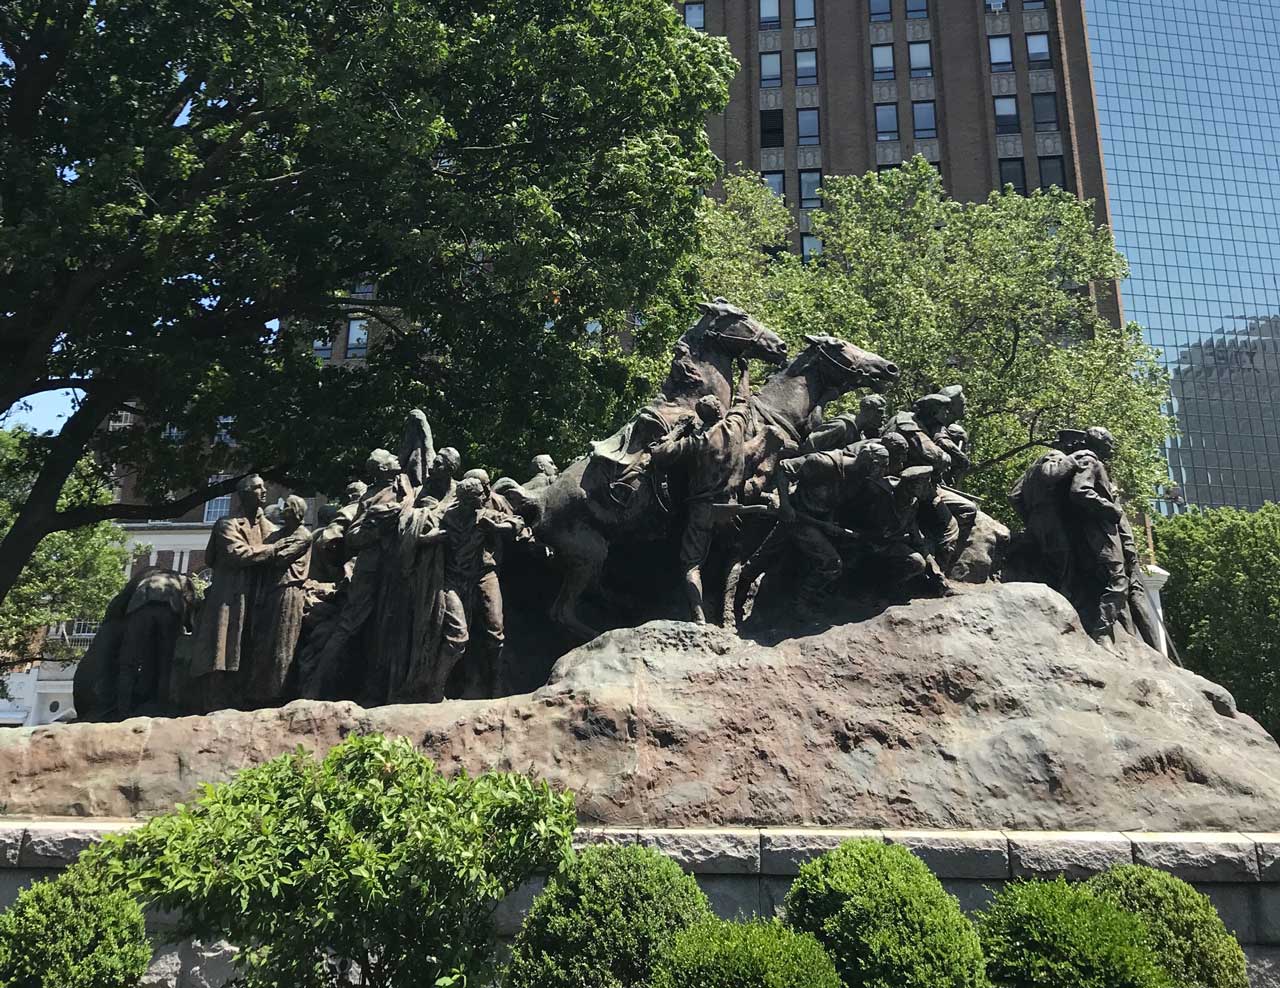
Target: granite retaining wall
x=748 y=871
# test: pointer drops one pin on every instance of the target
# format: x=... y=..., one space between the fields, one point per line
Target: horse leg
x=583 y=565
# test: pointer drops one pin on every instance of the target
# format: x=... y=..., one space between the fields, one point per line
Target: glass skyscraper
x=1189 y=106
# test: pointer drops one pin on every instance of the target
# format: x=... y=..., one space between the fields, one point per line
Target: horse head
x=845 y=367
x=732 y=331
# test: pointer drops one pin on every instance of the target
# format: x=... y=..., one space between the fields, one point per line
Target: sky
x=47 y=413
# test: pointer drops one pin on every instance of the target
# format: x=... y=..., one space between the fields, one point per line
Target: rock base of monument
x=988 y=710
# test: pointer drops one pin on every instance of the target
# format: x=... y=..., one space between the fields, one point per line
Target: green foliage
x=885 y=919
x=71 y=574
x=371 y=857
x=987 y=295
x=759 y=954
x=189 y=190
x=604 y=920
x=73 y=932
x=1050 y=934
x=1188 y=936
x=1222 y=601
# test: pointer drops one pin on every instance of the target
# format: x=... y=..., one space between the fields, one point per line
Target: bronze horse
x=583 y=513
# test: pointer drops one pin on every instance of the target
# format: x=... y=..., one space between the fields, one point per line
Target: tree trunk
x=37 y=516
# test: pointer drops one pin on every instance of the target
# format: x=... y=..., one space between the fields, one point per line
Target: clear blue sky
x=47 y=414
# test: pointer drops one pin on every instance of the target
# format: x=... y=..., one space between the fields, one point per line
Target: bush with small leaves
x=73 y=932
x=1052 y=934
x=602 y=922
x=762 y=954
x=885 y=919
x=369 y=867
x=1188 y=936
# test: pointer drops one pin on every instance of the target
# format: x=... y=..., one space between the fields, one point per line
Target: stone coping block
x=958 y=853
x=728 y=851
x=1199 y=857
x=1048 y=854
x=782 y=852
x=981 y=855
x=55 y=844
x=1268 y=846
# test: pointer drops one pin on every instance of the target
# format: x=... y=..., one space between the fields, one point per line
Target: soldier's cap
x=1071 y=437
x=932 y=403
x=915 y=473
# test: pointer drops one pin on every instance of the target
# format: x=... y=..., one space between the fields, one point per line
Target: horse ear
x=812 y=340
x=705 y=308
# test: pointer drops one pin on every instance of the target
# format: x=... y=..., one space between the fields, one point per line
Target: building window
x=323 y=347
x=810 y=247
x=807 y=127
x=1034 y=4
x=82 y=631
x=222 y=430
x=806 y=16
x=924 y=117
x=810 y=182
x=1007 y=115
x=771 y=129
x=881 y=169
x=1038 y=55
x=806 y=67
x=770 y=15
x=770 y=69
x=886 y=121
x=220 y=506
x=881 y=10
x=1013 y=172
x=921 y=59
x=997 y=6
x=917 y=9
x=357 y=337
x=1053 y=171
x=777 y=182
x=364 y=289
x=882 y=62
x=1044 y=107
x=1001 y=48
x=695 y=16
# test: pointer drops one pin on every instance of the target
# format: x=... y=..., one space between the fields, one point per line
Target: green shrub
x=761 y=954
x=369 y=858
x=1188 y=936
x=1053 y=934
x=885 y=919
x=73 y=932
x=602 y=922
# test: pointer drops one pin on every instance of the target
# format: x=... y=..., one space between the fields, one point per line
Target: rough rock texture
x=987 y=710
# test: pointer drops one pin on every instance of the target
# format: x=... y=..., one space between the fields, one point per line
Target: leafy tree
x=1222 y=601
x=189 y=189
x=71 y=574
x=366 y=868
x=990 y=295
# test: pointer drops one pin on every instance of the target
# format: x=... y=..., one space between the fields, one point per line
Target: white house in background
x=40 y=693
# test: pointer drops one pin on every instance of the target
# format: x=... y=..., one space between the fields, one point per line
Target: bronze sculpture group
x=397 y=594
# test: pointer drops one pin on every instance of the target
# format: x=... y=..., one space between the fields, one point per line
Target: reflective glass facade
x=1189 y=105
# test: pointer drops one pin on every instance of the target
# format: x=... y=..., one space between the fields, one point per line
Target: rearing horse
x=604 y=497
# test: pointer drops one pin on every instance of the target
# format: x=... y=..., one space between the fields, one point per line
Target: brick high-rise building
x=993 y=92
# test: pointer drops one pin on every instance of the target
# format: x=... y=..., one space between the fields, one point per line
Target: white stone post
x=1155 y=578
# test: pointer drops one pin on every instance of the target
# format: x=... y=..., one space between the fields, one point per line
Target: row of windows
x=924 y=120
x=357 y=341
x=810 y=182
x=771 y=68
x=805 y=15
x=771 y=128
x=882 y=10
x=1053 y=171
x=1039 y=52
x=919 y=57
